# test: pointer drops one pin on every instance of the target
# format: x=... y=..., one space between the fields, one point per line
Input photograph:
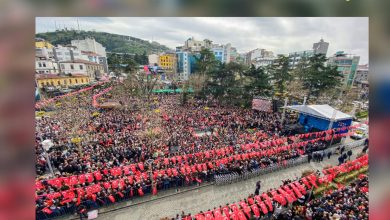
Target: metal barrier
x=222 y=179
x=235 y=177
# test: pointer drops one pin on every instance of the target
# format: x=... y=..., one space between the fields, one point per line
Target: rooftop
x=54 y=76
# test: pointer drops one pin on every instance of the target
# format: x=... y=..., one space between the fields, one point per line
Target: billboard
x=264 y=105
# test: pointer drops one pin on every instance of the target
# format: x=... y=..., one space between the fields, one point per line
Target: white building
x=362 y=74
x=45 y=65
x=153 y=58
x=73 y=67
x=89 y=44
x=263 y=61
x=259 y=57
x=61 y=53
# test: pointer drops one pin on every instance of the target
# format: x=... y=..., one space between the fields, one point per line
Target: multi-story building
x=193 y=45
x=186 y=64
x=296 y=57
x=73 y=67
x=44 y=80
x=153 y=59
x=41 y=43
x=263 y=61
x=96 y=58
x=259 y=57
x=346 y=64
x=89 y=44
x=361 y=74
x=67 y=53
x=167 y=61
x=321 y=47
x=219 y=52
x=233 y=54
x=44 y=65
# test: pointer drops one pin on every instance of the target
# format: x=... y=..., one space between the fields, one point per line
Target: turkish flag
x=154 y=191
x=140 y=192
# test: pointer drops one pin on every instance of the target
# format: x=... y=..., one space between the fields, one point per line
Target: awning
x=320 y=111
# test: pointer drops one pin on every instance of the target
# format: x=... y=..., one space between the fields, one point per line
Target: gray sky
x=281 y=35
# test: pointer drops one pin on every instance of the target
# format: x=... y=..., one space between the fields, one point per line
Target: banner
x=263 y=105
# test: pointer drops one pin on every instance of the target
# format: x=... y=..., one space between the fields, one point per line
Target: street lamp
x=47 y=144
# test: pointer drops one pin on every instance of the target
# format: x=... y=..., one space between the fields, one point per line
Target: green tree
x=317 y=78
x=258 y=81
x=205 y=63
x=280 y=73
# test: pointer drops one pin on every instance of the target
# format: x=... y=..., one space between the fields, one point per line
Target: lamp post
x=47 y=144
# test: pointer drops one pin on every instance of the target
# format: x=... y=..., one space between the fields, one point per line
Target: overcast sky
x=280 y=35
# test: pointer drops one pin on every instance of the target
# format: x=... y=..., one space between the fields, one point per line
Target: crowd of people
x=294 y=200
x=102 y=156
x=349 y=202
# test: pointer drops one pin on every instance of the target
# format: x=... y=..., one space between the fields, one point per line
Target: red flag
x=111 y=198
x=140 y=192
x=154 y=192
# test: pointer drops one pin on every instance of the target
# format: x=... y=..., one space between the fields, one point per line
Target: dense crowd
x=102 y=156
x=294 y=200
x=350 y=202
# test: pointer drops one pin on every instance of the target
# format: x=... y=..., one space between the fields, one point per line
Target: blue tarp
x=311 y=122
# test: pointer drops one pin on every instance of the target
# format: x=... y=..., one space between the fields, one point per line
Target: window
x=62 y=66
x=59 y=53
x=44 y=64
x=82 y=80
x=64 y=81
x=67 y=53
x=52 y=83
x=42 y=84
x=71 y=66
x=76 y=80
x=39 y=64
x=58 y=83
x=81 y=67
x=70 y=81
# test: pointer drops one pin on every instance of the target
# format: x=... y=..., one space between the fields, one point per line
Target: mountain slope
x=112 y=42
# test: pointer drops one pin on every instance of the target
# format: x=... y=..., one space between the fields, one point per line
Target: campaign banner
x=263 y=105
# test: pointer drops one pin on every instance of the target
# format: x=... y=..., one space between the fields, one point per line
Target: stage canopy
x=320 y=111
x=319 y=117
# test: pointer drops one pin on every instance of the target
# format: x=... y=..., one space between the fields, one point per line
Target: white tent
x=320 y=111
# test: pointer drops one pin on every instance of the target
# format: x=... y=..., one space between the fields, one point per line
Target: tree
x=131 y=66
x=226 y=83
x=318 y=78
x=114 y=62
x=280 y=73
x=258 y=81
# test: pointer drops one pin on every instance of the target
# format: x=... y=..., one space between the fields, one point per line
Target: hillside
x=112 y=42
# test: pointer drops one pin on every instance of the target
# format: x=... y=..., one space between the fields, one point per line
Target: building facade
x=219 y=53
x=61 y=53
x=167 y=61
x=89 y=44
x=296 y=57
x=41 y=43
x=45 y=65
x=346 y=64
x=184 y=60
x=153 y=59
x=61 y=81
x=259 y=57
x=91 y=69
x=321 y=47
x=72 y=67
x=362 y=74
